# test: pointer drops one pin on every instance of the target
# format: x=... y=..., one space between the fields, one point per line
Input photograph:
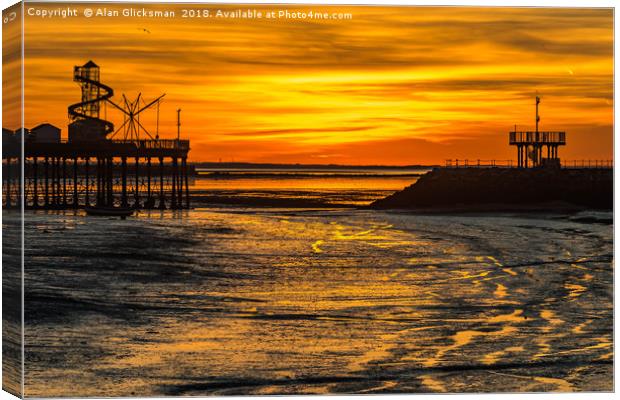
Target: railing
x=480 y=163
x=572 y=164
x=558 y=138
x=182 y=144
x=156 y=144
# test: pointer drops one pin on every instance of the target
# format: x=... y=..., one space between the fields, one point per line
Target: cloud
x=391 y=77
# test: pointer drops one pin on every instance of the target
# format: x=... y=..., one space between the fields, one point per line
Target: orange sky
x=394 y=85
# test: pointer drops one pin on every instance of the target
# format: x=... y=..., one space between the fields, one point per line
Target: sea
x=300 y=188
x=238 y=297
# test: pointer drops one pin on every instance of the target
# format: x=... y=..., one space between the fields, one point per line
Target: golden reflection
x=515 y=317
x=383 y=347
x=493 y=357
x=461 y=339
x=603 y=344
x=315 y=246
x=495 y=261
x=560 y=385
x=433 y=384
x=499 y=264
x=550 y=317
x=579 y=266
x=501 y=291
x=574 y=289
x=509 y=271
x=579 y=328
x=384 y=386
x=544 y=348
x=350 y=311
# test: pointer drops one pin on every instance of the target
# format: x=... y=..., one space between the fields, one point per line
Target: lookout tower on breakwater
x=532 y=145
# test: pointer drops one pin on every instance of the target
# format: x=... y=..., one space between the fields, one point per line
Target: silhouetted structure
x=86 y=125
x=531 y=145
x=92 y=169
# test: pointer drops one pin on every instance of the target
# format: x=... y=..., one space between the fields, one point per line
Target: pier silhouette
x=90 y=167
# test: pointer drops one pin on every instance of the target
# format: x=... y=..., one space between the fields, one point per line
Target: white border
x=484 y=3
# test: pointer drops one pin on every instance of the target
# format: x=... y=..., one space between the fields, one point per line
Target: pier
x=91 y=168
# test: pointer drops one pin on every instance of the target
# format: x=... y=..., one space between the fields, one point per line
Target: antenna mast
x=537 y=116
x=179 y=124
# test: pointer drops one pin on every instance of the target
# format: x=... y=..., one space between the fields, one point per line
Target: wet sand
x=240 y=301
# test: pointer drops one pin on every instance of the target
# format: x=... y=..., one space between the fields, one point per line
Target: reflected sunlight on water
x=324 y=187
x=234 y=301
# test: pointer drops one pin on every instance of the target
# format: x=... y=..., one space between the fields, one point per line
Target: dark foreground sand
x=235 y=301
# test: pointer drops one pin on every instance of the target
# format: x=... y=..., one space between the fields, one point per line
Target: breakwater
x=493 y=189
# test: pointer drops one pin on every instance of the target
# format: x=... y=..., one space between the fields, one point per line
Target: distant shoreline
x=299 y=175
x=319 y=167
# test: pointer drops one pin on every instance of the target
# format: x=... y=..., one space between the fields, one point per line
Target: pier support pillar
x=86 y=182
x=136 y=201
x=64 y=182
x=173 y=197
x=99 y=197
x=18 y=185
x=7 y=185
x=180 y=186
x=527 y=157
x=57 y=186
x=53 y=185
x=46 y=189
x=75 y=180
x=110 y=182
x=185 y=173
x=124 y=182
x=162 y=200
x=149 y=202
x=53 y=182
x=35 y=184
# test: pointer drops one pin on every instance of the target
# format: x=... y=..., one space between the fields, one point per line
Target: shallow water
x=325 y=188
x=241 y=301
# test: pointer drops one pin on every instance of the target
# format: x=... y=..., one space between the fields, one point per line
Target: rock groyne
x=504 y=189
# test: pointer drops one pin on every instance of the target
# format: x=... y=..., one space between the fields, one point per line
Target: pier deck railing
x=571 y=164
x=547 y=137
x=466 y=163
x=110 y=148
x=156 y=144
x=141 y=144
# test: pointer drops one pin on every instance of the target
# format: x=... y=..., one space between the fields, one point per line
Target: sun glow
x=390 y=86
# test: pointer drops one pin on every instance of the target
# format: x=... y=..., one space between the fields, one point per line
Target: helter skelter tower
x=87 y=124
x=531 y=145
